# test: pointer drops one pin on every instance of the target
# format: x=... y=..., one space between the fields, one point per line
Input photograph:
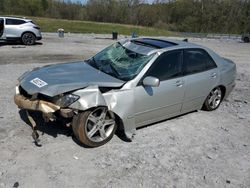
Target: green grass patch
x=73 y=26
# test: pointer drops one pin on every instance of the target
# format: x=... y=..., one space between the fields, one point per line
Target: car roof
x=18 y=18
x=155 y=43
x=151 y=45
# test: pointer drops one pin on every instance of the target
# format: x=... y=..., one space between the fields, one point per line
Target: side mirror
x=151 y=81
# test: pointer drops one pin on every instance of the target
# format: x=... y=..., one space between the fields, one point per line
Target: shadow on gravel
x=57 y=128
x=52 y=128
x=20 y=45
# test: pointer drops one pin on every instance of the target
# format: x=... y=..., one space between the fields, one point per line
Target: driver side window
x=167 y=66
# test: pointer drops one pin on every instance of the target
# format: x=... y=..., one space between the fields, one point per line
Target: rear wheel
x=213 y=100
x=28 y=39
x=95 y=127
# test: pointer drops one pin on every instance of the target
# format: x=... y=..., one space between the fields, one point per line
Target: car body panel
x=153 y=103
x=91 y=97
x=62 y=78
x=13 y=31
x=228 y=75
x=197 y=88
x=136 y=105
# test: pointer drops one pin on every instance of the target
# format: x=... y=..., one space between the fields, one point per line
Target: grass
x=73 y=26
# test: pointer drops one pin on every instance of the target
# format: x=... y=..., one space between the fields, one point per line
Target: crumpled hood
x=56 y=79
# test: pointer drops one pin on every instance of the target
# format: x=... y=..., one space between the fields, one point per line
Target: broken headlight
x=66 y=100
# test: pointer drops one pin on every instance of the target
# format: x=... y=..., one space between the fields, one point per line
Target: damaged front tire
x=95 y=127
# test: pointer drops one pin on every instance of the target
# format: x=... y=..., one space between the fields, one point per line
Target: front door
x=157 y=103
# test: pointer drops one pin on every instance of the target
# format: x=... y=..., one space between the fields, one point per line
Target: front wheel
x=28 y=39
x=95 y=127
x=213 y=100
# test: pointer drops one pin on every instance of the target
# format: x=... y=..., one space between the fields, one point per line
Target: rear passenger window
x=167 y=66
x=197 y=60
x=14 y=22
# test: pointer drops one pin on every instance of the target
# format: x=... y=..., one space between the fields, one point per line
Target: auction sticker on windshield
x=38 y=82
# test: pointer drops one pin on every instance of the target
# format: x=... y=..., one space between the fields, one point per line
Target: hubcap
x=215 y=98
x=100 y=124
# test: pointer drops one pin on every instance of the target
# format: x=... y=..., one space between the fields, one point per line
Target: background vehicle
x=129 y=84
x=19 y=29
x=246 y=37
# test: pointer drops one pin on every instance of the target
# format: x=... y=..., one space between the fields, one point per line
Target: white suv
x=19 y=29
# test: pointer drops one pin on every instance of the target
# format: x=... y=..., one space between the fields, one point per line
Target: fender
x=121 y=102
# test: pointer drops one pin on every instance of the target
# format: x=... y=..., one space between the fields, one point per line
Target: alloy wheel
x=100 y=124
x=214 y=98
x=28 y=39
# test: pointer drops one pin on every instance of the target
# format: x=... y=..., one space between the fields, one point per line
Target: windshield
x=119 y=62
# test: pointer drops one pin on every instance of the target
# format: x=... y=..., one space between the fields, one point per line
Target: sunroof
x=155 y=43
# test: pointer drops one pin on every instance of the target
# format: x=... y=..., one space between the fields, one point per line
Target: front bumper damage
x=47 y=108
x=90 y=97
x=37 y=105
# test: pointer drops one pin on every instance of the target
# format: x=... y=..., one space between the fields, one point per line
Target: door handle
x=214 y=75
x=179 y=83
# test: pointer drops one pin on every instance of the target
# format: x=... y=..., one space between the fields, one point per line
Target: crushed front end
x=52 y=108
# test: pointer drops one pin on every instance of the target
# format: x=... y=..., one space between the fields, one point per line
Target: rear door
x=157 y=103
x=200 y=77
x=13 y=27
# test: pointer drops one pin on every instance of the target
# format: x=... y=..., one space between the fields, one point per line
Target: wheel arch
x=118 y=120
x=223 y=89
x=91 y=97
x=27 y=32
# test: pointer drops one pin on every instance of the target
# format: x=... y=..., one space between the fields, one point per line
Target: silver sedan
x=130 y=84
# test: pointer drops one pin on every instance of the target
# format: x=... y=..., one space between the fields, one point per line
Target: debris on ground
x=16 y=185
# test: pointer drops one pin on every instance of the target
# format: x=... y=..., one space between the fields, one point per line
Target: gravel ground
x=200 y=149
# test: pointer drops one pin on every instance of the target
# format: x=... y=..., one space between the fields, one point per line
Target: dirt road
x=200 y=149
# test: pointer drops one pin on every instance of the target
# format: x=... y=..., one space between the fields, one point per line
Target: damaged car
x=130 y=84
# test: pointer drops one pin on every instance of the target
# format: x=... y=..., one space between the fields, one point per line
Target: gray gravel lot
x=200 y=149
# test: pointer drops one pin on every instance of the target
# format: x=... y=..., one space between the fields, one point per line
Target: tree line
x=216 y=16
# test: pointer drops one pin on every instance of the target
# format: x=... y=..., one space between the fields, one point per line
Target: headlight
x=67 y=100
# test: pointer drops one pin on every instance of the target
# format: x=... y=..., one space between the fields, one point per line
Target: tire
x=213 y=100
x=28 y=39
x=246 y=40
x=94 y=128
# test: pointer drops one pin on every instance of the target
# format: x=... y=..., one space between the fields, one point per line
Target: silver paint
x=135 y=104
x=66 y=77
